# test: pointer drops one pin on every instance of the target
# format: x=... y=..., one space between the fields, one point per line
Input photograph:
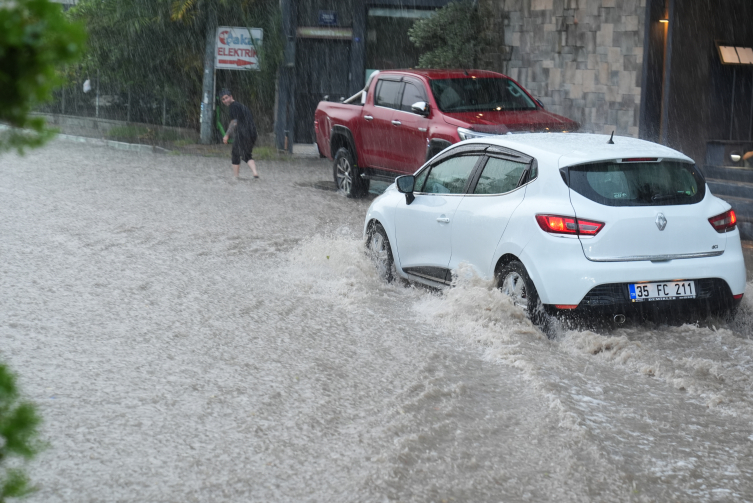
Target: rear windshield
x=476 y=95
x=638 y=183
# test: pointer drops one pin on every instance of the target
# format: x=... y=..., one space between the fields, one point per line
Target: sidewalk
x=300 y=150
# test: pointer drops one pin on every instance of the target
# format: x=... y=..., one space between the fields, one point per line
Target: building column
x=358 y=48
x=285 y=113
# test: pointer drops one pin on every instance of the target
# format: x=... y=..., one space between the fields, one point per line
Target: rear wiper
x=662 y=197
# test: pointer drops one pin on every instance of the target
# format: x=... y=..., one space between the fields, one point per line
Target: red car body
x=386 y=141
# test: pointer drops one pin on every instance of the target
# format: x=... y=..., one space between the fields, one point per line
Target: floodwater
x=189 y=338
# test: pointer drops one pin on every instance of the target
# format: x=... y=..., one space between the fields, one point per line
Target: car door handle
x=443 y=220
x=368 y=117
x=422 y=129
x=396 y=123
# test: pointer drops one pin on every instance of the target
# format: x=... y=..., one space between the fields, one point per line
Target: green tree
x=148 y=45
x=35 y=40
x=18 y=437
x=451 y=37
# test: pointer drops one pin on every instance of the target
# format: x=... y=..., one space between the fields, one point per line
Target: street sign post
x=235 y=48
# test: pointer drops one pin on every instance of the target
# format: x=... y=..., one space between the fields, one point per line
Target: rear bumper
x=713 y=297
x=564 y=276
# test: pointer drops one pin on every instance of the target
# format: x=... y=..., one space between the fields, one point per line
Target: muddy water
x=189 y=337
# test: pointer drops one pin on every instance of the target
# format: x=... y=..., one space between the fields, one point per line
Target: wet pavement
x=191 y=337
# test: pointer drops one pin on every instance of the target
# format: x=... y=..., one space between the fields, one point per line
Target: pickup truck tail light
x=316 y=126
x=724 y=222
x=557 y=224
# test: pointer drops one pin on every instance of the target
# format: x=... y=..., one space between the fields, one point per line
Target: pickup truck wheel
x=347 y=175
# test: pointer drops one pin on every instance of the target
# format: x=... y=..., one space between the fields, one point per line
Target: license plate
x=666 y=290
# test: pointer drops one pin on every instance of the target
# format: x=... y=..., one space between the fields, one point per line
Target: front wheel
x=380 y=252
x=347 y=176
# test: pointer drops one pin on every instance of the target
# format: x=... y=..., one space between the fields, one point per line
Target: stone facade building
x=581 y=58
x=641 y=68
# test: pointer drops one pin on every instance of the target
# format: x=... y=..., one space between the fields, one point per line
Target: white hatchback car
x=575 y=223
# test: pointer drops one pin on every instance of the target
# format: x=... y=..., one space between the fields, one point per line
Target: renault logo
x=661 y=221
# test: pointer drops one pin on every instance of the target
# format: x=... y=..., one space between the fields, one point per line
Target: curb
x=118 y=145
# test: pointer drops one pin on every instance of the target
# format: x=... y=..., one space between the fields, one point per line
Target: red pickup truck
x=402 y=118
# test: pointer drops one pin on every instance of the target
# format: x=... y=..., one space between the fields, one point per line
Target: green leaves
x=157 y=46
x=18 y=436
x=35 y=39
x=451 y=37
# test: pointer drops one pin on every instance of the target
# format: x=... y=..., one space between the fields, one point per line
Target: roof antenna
x=465 y=72
x=610 y=142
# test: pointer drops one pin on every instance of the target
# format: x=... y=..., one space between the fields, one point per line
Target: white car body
x=437 y=232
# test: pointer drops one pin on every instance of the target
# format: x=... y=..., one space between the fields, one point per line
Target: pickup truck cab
x=402 y=118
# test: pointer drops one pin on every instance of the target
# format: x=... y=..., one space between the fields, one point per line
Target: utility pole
x=207 y=88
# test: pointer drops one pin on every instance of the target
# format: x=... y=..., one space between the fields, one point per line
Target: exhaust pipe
x=619 y=319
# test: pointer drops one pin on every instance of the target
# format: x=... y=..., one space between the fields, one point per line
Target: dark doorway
x=652 y=85
x=388 y=46
x=322 y=69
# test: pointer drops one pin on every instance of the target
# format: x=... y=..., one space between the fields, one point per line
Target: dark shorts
x=240 y=151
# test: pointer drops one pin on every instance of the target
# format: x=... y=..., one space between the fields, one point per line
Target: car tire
x=347 y=175
x=380 y=252
x=514 y=281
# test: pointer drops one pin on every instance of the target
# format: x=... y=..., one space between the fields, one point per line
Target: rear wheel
x=514 y=281
x=380 y=252
x=347 y=175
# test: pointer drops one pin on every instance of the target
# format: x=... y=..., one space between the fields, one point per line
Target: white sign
x=235 y=48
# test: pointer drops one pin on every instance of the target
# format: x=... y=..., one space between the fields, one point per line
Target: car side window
x=451 y=175
x=420 y=179
x=499 y=176
x=411 y=95
x=387 y=93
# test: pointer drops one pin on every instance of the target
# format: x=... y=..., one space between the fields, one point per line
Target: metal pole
x=732 y=107
x=96 y=106
x=164 y=108
x=62 y=99
x=128 y=113
x=208 y=80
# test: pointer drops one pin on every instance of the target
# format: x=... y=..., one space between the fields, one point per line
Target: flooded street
x=188 y=337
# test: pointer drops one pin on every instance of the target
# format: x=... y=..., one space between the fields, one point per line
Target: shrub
x=18 y=437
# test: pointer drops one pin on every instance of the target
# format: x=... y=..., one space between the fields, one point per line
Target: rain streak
x=188 y=336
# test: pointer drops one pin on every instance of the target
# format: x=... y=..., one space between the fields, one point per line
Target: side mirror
x=540 y=103
x=420 y=108
x=405 y=185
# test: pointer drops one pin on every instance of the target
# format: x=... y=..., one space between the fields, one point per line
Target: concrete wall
x=581 y=58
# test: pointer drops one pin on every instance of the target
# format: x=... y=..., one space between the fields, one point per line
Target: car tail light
x=566 y=306
x=316 y=126
x=556 y=224
x=738 y=296
x=724 y=222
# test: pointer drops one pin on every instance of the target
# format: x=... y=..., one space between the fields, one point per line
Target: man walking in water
x=244 y=130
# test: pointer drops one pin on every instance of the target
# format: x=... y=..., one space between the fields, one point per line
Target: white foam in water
x=710 y=367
